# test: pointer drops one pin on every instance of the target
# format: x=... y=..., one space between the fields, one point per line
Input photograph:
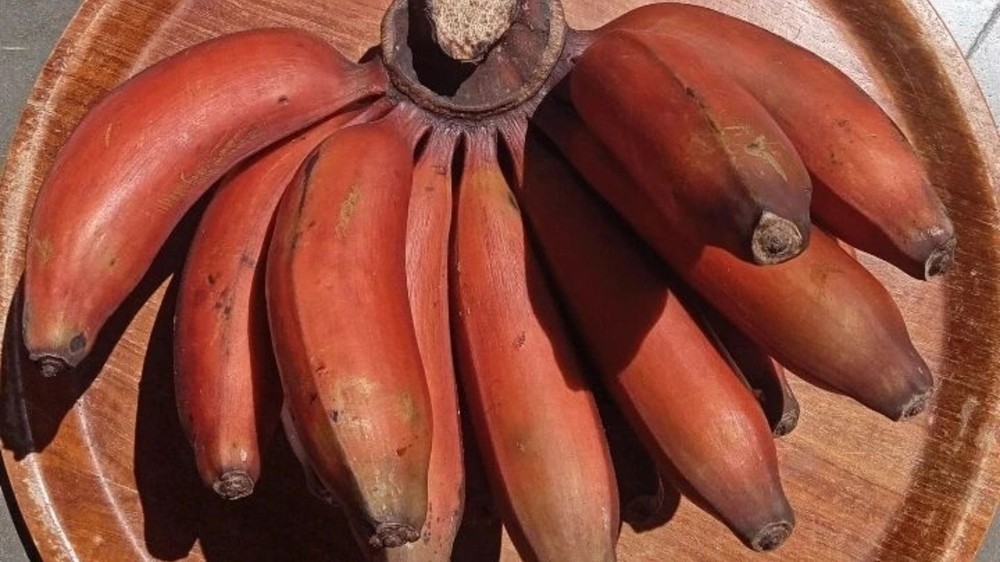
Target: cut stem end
x=466 y=29
x=466 y=67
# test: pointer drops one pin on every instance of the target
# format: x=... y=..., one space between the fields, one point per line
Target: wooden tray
x=101 y=470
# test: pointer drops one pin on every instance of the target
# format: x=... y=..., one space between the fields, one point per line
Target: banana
x=871 y=189
x=805 y=312
x=225 y=378
x=664 y=373
x=806 y=315
x=646 y=503
x=790 y=409
x=481 y=535
x=762 y=374
x=428 y=228
x=342 y=330
x=315 y=487
x=697 y=143
x=536 y=423
x=146 y=152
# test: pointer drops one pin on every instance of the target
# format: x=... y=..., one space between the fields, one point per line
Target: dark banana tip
x=776 y=240
x=787 y=424
x=643 y=512
x=391 y=535
x=59 y=359
x=772 y=536
x=940 y=260
x=51 y=366
x=233 y=485
x=915 y=406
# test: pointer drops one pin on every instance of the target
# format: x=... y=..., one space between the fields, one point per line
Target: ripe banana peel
x=146 y=152
x=537 y=426
x=697 y=143
x=870 y=187
x=764 y=376
x=427 y=241
x=778 y=306
x=646 y=501
x=227 y=390
x=717 y=143
x=336 y=289
x=664 y=373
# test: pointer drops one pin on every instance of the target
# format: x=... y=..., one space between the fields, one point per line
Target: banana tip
x=940 y=260
x=234 y=485
x=788 y=422
x=391 y=535
x=56 y=359
x=772 y=536
x=643 y=512
x=776 y=240
x=51 y=365
x=915 y=406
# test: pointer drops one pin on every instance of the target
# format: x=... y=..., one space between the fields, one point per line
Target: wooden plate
x=101 y=470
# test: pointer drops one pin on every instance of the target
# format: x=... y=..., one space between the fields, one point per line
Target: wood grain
x=100 y=467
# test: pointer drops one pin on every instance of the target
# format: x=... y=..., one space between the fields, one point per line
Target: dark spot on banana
x=519 y=342
x=77 y=344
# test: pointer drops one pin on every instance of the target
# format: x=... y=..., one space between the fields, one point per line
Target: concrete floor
x=29 y=29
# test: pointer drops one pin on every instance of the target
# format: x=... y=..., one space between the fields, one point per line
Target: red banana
x=762 y=374
x=870 y=187
x=664 y=373
x=536 y=423
x=646 y=502
x=226 y=382
x=428 y=228
x=807 y=315
x=790 y=409
x=146 y=152
x=315 y=487
x=698 y=144
x=343 y=332
x=805 y=312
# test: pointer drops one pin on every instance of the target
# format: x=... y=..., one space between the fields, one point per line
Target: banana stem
x=518 y=42
x=466 y=29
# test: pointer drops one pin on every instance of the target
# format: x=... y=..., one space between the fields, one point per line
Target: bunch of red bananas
x=646 y=214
